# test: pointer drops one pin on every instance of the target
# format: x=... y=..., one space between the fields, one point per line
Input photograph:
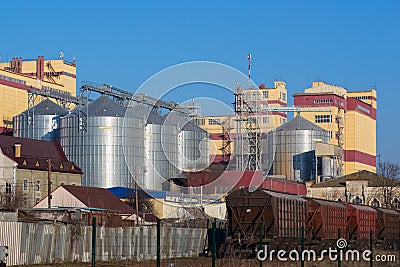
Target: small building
x=108 y=209
x=24 y=170
x=363 y=187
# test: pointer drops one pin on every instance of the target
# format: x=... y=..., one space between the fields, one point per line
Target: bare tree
x=10 y=201
x=145 y=203
x=390 y=182
x=389 y=169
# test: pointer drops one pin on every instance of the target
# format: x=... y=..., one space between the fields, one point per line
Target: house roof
x=299 y=123
x=35 y=154
x=124 y=192
x=99 y=198
x=374 y=180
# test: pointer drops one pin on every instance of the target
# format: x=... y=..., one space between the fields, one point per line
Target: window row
x=323 y=118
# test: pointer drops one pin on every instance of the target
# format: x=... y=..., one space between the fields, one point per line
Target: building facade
x=361 y=187
x=18 y=76
x=223 y=129
x=24 y=170
x=350 y=118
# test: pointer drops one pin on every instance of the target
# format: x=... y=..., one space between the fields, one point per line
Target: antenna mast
x=248 y=69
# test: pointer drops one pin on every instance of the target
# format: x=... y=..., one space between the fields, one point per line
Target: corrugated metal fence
x=34 y=243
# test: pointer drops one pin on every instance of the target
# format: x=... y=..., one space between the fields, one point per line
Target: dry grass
x=232 y=262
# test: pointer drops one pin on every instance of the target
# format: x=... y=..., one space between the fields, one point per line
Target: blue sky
x=350 y=43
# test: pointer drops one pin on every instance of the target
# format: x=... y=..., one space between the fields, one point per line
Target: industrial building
x=223 y=129
x=121 y=137
x=20 y=79
x=302 y=151
x=350 y=118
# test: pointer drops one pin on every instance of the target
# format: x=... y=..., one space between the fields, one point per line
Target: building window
x=38 y=186
x=200 y=121
x=25 y=185
x=323 y=118
x=396 y=204
x=375 y=203
x=8 y=188
x=214 y=121
x=265 y=94
x=37 y=200
x=265 y=119
x=364 y=97
x=283 y=97
x=357 y=200
x=322 y=101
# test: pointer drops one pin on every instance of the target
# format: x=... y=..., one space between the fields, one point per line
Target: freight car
x=280 y=217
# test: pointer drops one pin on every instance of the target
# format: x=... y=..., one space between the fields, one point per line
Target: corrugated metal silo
x=160 y=145
x=44 y=125
x=193 y=144
x=104 y=144
x=295 y=143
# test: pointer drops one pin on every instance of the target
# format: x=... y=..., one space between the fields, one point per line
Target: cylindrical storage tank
x=160 y=144
x=294 y=144
x=193 y=143
x=193 y=148
x=43 y=124
x=327 y=164
x=104 y=143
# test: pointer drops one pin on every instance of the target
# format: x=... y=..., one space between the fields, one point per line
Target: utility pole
x=137 y=202
x=49 y=184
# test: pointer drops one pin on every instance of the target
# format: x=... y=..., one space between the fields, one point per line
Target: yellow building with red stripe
x=350 y=117
x=19 y=76
x=223 y=129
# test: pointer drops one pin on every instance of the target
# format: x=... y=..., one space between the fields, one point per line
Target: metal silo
x=43 y=124
x=295 y=143
x=105 y=144
x=193 y=143
x=159 y=145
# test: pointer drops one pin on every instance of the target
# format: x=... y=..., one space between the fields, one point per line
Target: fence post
x=339 y=263
x=158 y=243
x=302 y=246
x=213 y=243
x=371 y=262
x=261 y=241
x=94 y=242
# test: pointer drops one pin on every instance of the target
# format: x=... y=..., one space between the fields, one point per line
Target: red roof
x=35 y=154
x=99 y=198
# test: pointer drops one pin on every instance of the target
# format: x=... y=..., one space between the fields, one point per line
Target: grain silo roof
x=143 y=112
x=299 y=123
x=47 y=107
x=101 y=107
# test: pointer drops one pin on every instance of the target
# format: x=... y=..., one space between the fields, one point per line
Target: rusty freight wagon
x=387 y=224
x=325 y=218
x=282 y=216
x=361 y=220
